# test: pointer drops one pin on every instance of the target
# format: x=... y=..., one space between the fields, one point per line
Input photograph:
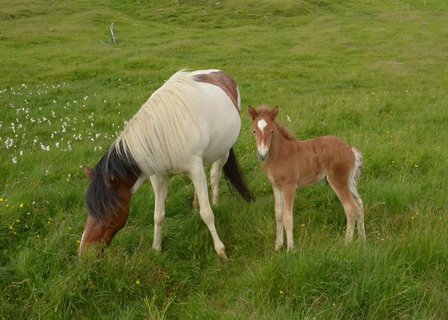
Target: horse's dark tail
x=233 y=174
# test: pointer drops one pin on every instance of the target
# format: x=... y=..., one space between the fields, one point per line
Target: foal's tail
x=233 y=174
x=359 y=162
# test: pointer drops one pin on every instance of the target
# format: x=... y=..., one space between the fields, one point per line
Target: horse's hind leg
x=215 y=177
x=160 y=186
x=199 y=179
x=195 y=200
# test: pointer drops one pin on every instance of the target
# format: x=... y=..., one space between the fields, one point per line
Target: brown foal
x=290 y=163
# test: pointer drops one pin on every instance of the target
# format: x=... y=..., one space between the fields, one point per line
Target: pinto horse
x=289 y=163
x=192 y=120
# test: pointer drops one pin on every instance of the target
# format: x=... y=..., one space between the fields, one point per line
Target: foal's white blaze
x=263 y=151
x=262 y=124
x=262 y=148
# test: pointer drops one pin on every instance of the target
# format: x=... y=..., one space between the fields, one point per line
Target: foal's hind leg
x=160 y=186
x=199 y=179
x=349 y=203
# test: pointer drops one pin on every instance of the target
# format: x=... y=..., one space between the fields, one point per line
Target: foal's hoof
x=278 y=247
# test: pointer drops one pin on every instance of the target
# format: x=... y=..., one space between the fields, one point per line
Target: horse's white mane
x=157 y=136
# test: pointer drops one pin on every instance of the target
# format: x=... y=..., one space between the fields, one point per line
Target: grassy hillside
x=372 y=72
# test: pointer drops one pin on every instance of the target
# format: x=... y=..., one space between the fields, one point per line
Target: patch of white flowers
x=61 y=130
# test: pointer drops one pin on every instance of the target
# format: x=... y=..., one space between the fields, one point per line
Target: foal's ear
x=87 y=171
x=274 y=112
x=252 y=112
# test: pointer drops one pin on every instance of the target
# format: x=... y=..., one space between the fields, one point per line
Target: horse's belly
x=223 y=139
x=217 y=149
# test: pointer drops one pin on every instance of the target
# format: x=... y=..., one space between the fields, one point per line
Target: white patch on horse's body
x=261 y=125
x=218 y=118
x=238 y=99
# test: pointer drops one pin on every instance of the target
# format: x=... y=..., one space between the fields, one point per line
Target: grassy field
x=372 y=72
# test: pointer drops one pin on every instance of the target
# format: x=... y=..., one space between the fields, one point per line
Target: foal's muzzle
x=263 y=156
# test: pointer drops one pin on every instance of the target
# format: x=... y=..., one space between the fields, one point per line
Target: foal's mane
x=285 y=132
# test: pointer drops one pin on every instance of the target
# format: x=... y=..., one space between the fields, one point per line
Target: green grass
x=372 y=72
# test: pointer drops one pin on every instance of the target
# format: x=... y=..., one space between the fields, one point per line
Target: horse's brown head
x=263 y=128
x=107 y=200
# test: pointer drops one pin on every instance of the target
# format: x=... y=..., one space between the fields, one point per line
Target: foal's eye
x=253 y=130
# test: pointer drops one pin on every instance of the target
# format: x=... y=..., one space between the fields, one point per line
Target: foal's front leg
x=288 y=194
x=279 y=236
x=160 y=186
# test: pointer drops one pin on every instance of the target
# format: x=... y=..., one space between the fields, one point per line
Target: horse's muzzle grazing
x=101 y=232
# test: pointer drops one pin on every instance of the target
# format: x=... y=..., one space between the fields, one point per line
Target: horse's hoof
x=157 y=248
x=223 y=257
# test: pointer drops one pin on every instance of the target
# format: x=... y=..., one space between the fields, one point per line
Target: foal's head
x=107 y=199
x=263 y=128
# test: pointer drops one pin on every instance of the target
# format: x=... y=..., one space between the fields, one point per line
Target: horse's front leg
x=160 y=186
x=288 y=194
x=199 y=179
x=279 y=237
